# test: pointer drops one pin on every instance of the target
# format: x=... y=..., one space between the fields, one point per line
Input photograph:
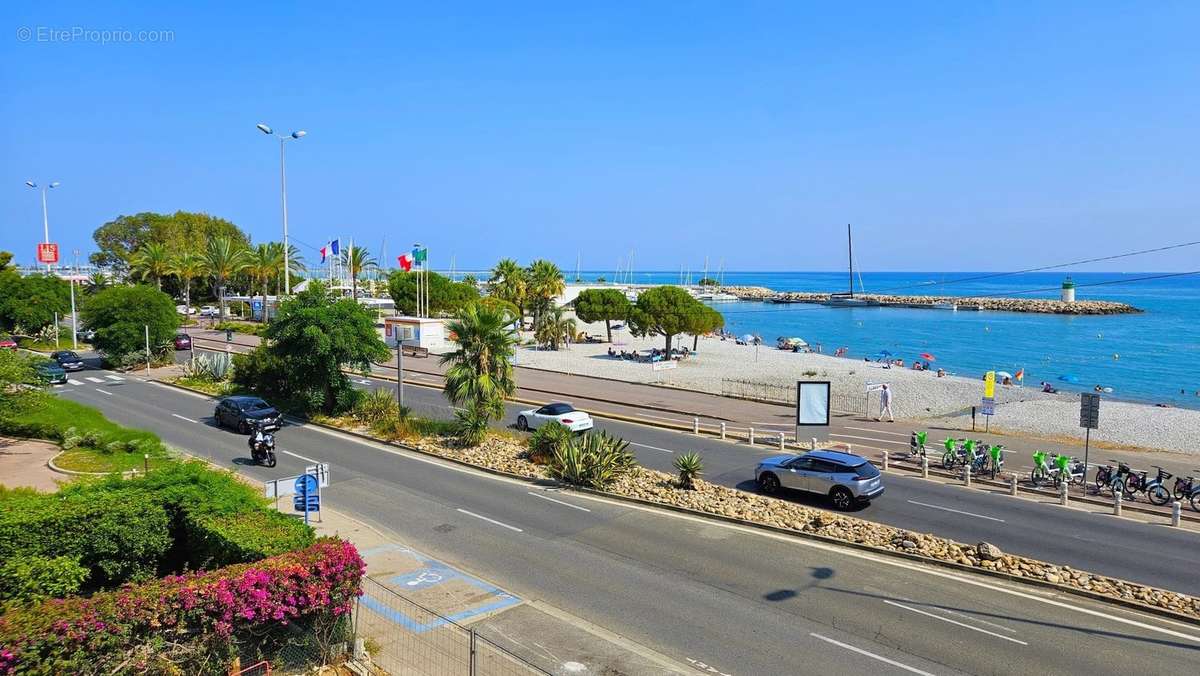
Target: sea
x=1151 y=357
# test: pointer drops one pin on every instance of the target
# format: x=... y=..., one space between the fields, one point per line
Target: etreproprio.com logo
x=102 y=36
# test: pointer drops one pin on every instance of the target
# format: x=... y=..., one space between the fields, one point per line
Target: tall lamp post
x=287 y=282
x=45 y=215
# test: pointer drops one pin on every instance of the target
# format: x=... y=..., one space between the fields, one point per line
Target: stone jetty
x=998 y=304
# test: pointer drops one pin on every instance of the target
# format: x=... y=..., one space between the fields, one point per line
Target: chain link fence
x=785 y=393
x=404 y=637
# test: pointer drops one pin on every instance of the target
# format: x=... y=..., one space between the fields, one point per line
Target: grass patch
x=253 y=329
x=64 y=343
x=97 y=461
x=216 y=388
x=43 y=416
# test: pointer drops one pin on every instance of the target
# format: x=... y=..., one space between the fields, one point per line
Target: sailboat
x=717 y=296
x=848 y=299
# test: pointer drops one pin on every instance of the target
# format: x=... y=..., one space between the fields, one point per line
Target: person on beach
x=885 y=404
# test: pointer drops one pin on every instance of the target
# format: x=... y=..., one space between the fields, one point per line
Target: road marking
x=565 y=504
x=113 y=377
x=93 y=379
x=873 y=656
x=653 y=448
x=868 y=429
x=103 y=391
x=881 y=441
x=480 y=516
x=295 y=455
x=187 y=419
x=955 y=622
x=956 y=511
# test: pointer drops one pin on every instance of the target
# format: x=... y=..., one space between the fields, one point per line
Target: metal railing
x=785 y=393
x=404 y=637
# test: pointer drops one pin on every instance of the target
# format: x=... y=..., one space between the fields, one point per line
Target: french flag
x=330 y=249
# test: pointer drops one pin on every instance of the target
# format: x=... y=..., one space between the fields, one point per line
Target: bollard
x=1063 y=496
x=695 y=426
x=924 y=468
x=722 y=430
x=781 y=441
x=885 y=461
x=1012 y=485
x=1176 y=513
x=967 y=474
x=814 y=443
x=1117 y=503
x=751 y=436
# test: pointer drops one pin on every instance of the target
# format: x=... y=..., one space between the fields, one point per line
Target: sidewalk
x=417 y=611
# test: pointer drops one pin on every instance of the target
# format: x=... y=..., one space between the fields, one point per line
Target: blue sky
x=979 y=136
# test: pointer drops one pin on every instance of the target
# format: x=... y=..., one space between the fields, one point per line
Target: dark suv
x=68 y=360
x=240 y=412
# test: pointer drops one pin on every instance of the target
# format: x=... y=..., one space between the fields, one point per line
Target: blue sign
x=306 y=483
x=989 y=406
x=313 y=503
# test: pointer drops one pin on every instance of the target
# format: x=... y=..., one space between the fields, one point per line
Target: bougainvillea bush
x=187 y=624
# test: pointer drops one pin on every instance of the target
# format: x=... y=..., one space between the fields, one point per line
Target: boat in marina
x=849 y=299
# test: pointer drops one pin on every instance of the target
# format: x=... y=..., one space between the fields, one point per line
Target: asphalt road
x=736 y=600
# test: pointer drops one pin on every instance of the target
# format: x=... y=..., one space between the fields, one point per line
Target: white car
x=209 y=311
x=185 y=310
x=563 y=414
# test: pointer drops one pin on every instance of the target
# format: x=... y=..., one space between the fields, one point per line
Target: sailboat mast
x=850 y=250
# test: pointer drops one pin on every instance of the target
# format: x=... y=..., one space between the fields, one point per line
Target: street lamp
x=45 y=216
x=287 y=282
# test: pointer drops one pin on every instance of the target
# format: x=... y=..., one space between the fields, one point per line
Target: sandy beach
x=918 y=395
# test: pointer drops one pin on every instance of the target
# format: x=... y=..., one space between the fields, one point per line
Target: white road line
x=956 y=511
x=103 y=391
x=564 y=504
x=881 y=441
x=113 y=377
x=955 y=622
x=868 y=429
x=187 y=419
x=479 y=516
x=294 y=455
x=653 y=448
x=93 y=379
x=873 y=656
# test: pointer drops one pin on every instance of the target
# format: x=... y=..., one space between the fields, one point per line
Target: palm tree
x=545 y=284
x=554 y=328
x=263 y=264
x=185 y=267
x=480 y=374
x=152 y=260
x=224 y=258
x=97 y=282
x=509 y=283
x=356 y=260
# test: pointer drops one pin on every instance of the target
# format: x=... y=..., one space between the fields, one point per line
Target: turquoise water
x=1149 y=357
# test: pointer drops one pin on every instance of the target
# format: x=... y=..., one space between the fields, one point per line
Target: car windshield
x=256 y=405
x=558 y=409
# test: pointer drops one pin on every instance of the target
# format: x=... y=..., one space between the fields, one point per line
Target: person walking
x=885 y=404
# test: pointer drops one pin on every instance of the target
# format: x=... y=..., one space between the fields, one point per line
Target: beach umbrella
x=1003 y=374
x=1069 y=378
x=928 y=357
x=749 y=338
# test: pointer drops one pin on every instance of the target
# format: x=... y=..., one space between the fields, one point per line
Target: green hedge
x=242 y=327
x=31 y=579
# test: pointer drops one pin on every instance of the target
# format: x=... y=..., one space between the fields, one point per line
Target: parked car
x=183 y=341
x=185 y=310
x=846 y=478
x=563 y=414
x=85 y=334
x=7 y=343
x=238 y=412
x=68 y=360
x=50 y=373
x=210 y=311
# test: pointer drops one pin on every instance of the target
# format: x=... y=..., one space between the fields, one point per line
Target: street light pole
x=45 y=213
x=287 y=254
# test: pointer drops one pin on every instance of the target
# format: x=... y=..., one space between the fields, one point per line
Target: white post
x=1012 y=485
x=74 y=320
x=924 y=468
x=885 y=460
x=781 y=441
x=967 y=474
x=147 y=350
x=287 y=280
x=45 y=221
x=1176 y=513
x=814 y=443
x=56 y=330
x=1063 y=496
x=751 y=436
x=1117 y=502
x=722 y=430
x=695 y=426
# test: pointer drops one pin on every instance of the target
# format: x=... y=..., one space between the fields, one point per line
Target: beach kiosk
x=1068 y=290
x=415 y=332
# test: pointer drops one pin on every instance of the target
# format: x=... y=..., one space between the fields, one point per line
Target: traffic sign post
x=1089 y=419
x=308 y=495
x=305 y=489
x=988 y=409
x=47 y=253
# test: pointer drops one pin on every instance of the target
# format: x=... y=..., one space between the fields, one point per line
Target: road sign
x=1089 y=411
x=313 y=504
x=989 y=385
x=988 y=407
x=47 y=253
x=280 y=488
x=664 y=365
x=306 y=483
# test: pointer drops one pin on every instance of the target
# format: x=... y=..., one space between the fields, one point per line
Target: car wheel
x=768 y=483
x=242 y=427
x=522 y=423
x=217 y=418
x=842 y=499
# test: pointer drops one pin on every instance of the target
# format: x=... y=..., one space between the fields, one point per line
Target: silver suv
x=846 y=478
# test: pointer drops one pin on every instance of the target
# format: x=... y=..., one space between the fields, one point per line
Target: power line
x=1104 y=283
x=1043 y=268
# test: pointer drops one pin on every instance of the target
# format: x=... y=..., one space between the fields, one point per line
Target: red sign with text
x=47 y=253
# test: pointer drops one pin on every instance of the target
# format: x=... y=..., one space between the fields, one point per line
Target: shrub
x=375 y=406
x=593 y=460
x=120 y=314
x=208 y=367
x=242 y=327
x=187 y=624
x=545 y=440
x=30 y=579
x=471 y=424
x=690 y=466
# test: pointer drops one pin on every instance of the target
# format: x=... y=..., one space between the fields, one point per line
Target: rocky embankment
x=1028 y=305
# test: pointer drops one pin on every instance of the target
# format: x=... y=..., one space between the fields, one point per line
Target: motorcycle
x=262 y=448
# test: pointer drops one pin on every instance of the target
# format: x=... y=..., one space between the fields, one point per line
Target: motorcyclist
x=258 y=441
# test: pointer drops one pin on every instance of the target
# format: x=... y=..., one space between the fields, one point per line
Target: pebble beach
x=917 y=395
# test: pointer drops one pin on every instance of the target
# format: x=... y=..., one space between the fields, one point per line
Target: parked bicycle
x=1155 y=489
x=1041 y=468
x=1070 y=469
x=1113 y=480
x=1184 y=487
x=916 y=444
x=996 y=456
